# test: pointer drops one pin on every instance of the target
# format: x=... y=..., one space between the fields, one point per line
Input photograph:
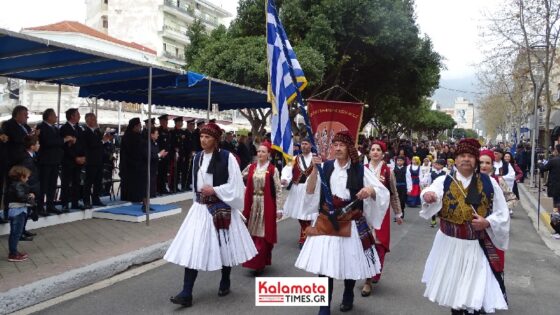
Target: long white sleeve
x=287 y=173
x=499 y=219
x=232 y=192
x=430 y=209
x=408 y=179
x=375 y=209
x=510 y=176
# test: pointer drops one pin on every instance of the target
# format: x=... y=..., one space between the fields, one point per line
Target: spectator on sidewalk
x=31 y=144
x=18 y=198
x=3 y=170
x=49 y=158
x=73 y=161
x=553 y=183
x=93 y=148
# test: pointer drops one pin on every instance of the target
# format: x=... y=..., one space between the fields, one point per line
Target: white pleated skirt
x=198 y=245
x=457 y=275
x=295 y=207
x=338 y=257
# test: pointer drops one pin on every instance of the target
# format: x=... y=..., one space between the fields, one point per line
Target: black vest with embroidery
x=354 y=183
x=218 y=167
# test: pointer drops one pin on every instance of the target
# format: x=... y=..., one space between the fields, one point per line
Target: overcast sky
x=451 y=24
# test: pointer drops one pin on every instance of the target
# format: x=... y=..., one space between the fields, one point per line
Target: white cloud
x=453 y=26
x=16 y=15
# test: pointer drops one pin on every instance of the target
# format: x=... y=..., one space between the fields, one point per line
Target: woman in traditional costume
x=263 y=197
x=413 y=183
x=382 y=235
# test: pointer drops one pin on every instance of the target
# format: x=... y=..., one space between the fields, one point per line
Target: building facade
x=463 y=113
x=158 y=24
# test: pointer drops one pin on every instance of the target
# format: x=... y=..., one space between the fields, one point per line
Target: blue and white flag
x=282 y=89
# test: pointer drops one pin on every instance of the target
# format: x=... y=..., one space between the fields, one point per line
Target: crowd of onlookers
x=81 y=161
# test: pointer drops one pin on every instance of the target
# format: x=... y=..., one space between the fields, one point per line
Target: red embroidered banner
x=329 y=117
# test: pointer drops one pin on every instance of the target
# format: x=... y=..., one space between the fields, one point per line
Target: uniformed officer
x=164 y=142
x=188 y=144
x=178 y=137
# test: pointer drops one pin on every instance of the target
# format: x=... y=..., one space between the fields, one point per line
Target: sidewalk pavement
x=529 y=201
x=68 y=256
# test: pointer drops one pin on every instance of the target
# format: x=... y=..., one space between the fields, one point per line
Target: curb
x=544 y=214
x=45 y=289
x=529 y=203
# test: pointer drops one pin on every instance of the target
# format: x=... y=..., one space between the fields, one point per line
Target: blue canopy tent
x=117 y=78
x=192 y=90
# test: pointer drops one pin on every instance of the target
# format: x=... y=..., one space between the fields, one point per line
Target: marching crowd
x=345 y=223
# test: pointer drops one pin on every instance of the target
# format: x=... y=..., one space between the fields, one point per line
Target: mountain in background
x=450 y=89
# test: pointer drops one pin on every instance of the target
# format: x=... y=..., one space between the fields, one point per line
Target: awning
x=189 y=90
x=32 y=58
x=117 y=78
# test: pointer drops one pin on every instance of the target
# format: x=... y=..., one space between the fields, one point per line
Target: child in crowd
x=437 y=171
x=425 y=171
x=18 y=198
x=400 y=177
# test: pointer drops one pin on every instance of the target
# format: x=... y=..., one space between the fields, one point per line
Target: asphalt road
x=532 y=277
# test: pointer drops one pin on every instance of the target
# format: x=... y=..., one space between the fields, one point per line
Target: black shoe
x=27 y=233
x=2 y=221
x=54 y=210
x=76 y=207
x=99 y=204
x=184 y=301
x=25 y=238
x=223 y=292
x=346 y=307
x=86 y=207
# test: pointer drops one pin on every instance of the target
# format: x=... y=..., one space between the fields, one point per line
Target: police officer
x=196 y=135
x=148 y=123
x=188 y=145
x=164 y=141
x=178 y=137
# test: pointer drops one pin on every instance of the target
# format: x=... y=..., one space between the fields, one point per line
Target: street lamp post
x=535 y=132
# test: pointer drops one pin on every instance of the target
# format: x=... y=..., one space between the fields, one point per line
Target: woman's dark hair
x=511 y=160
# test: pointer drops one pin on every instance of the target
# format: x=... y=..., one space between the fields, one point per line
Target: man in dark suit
x=73 y=161
x=49 y=159
x=227 y=144
x=163 y=142
x=553 y=183
x=93 y=146
x=3 y=169
x=15 y=129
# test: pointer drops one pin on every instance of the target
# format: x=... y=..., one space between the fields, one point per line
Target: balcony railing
x=185 y=8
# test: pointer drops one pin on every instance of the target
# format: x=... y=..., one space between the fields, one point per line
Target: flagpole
x=324 y=185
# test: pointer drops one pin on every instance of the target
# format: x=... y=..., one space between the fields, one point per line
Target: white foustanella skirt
x=339 y=257
x=198 y=245
x=457 y=275
x=295 y=204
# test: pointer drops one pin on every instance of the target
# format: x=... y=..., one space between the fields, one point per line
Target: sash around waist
x=206 y=200
x=463 y=231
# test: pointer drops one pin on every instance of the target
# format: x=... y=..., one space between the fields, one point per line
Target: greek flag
x=282 y=89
